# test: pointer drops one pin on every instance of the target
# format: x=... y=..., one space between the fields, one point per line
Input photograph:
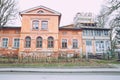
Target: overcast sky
x=68 y=8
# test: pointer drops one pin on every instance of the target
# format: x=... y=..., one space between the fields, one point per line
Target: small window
x=27 y=42
x=64 y=43
x=64 y=33
x=50 y=42
x=35 y=24
x=39 y=42
x=16 y=43
x=44 y=25
x=75 y=43
x=40 y=12
x=5 y=42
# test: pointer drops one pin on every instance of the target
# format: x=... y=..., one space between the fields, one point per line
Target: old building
x=41 y=35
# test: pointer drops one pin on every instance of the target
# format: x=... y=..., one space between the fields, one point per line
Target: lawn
x=92 y=63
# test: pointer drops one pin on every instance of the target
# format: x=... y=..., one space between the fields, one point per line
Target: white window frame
x=33 y=24
x=44 y=28
x=14 y=42
x=76 y=43
x=61 y=44
x=7 y=42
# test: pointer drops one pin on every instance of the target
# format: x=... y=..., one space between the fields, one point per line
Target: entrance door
x=89 y=46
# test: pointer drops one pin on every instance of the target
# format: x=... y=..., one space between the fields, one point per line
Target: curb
x=37 y=70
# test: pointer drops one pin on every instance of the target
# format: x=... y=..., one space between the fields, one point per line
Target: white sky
x=68 y=8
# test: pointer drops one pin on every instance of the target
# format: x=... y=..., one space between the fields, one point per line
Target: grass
x=93 y=63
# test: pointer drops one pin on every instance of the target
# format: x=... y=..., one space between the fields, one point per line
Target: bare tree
x=111 y=11
x=101 y=18
x=7 y=11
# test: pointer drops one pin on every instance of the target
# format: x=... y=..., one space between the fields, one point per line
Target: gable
x=40 y=10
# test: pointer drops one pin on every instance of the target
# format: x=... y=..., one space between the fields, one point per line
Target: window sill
x=64 y=48
x=50 y=47
x=44 y=29
x=35 y=29
x=15 y=48
x=5 y=47
x=75 y=48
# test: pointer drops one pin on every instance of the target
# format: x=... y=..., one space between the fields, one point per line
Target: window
x=44 y=25
x=35 y=24
x=50 y=42
x=95 y=32
x=64 y=33
x=75 y=43
x=64 y=43
x=106 y=33
x=40 y=12
x=84 y=32
x=39 y=42
x=16 y=43
x=99 y=46
x=88 y=43
x=5 y=42
x=27 y=42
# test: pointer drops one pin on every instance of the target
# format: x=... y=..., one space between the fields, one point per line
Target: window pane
x=16 y=43
x=44 y=25
x=50 y=42
x=5 y=42
x=28 y=42
x=35 y=24
x=88 y=43
x=64 y=43
x=39 y=42
x=75 y=43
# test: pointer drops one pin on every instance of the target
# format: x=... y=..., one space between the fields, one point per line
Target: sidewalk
x=43 y=70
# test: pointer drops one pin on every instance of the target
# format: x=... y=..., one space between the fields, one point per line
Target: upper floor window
x=35 y=24
x=75 y=43
x=64 y=43
x=28 y=42
x=39 y=42
x=106 y=33
x=50 y=42
x=44 y=25
x=16 y=43
x=5 y=42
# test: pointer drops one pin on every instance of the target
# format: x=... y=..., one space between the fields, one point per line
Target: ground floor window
x=28 y=42
x=5 y=42
x=39 y=42
x=99 y=46
x=64 y=43
x=75 y=43
x=50 y=42
x=16 y=43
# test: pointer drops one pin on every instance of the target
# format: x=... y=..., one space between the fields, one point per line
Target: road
x=58 y=74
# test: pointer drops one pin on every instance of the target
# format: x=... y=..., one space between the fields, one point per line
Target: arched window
x=35 y=24
x=50 y=42
x=39 y=42
x=27 y=42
